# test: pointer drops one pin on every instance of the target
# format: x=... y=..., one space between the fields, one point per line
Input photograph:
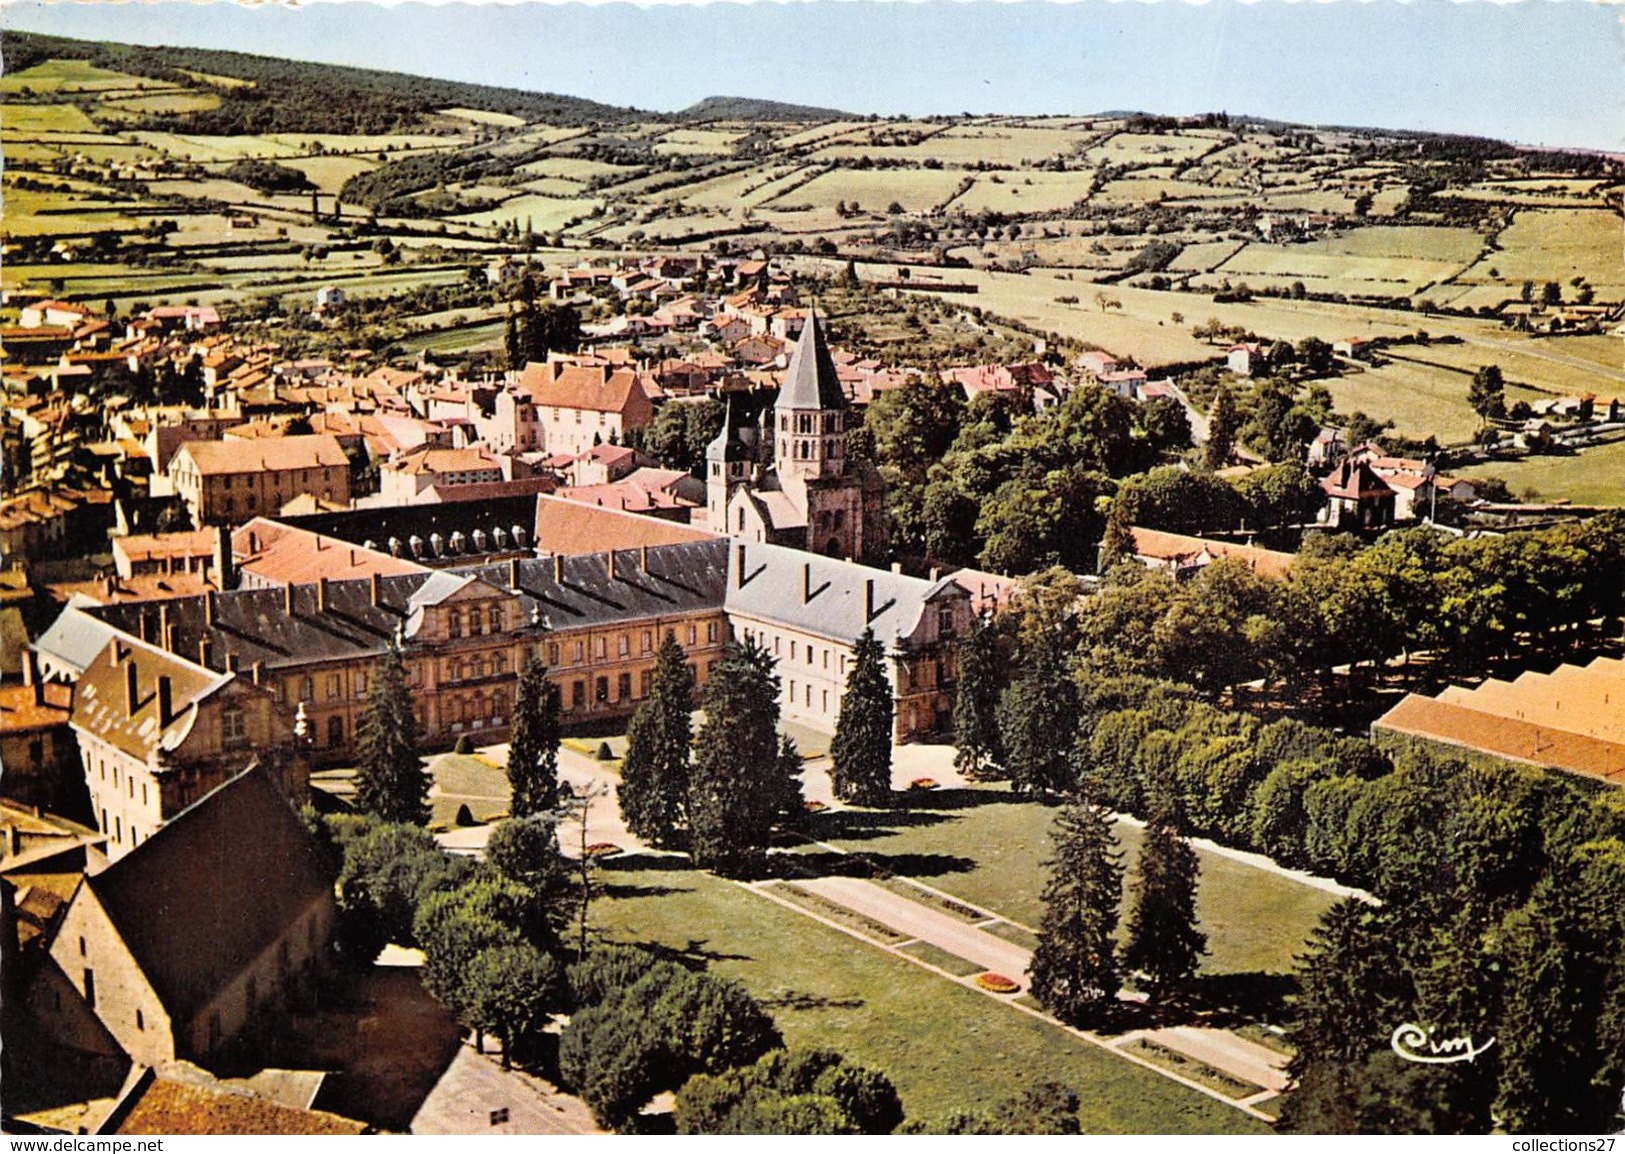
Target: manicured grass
x=990 y=851
x=945 y=1047
x=1594 y=476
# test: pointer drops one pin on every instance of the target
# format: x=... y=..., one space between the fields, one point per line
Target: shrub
x=604 y=752
x=465 y=816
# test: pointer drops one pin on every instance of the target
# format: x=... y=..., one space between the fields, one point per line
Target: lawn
x=945 y=1047
x=1593 y=477
x=989 y=851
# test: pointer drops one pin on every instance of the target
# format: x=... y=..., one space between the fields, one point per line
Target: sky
x=1545 y=72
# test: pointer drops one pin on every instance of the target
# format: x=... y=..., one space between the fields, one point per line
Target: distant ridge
x=750 y=108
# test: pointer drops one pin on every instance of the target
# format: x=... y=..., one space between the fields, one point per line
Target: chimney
x=377 y=583
x=806 y=582
x=868 y=600
x=897 y=567
x=165 y=639
x=739 y=569
x=170 y=634
x=935 y=572
x=352 y=556
x=31 y=676
x=611 y=556
x=211 y=611
x=643 y=558
x=257 y=670
x=253 y=541
x=233 y=662
x=132 y=692
x=166 y=702
x=513 y=573
x=558 y=568
x=205 y=653
x=321 y=594
x=287 y=598
x=225 y=565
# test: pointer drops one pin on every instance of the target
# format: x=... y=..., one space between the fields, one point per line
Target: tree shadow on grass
x=802 y=1000
x=802 y=866
x=917 y=800
x=640 y=860
x=610 y=890
x=867 y=824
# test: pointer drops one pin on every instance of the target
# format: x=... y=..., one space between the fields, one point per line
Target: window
x=335 y=687
x=307 y=689
x=693 y=635
x=602 y=648
x=602 y=690
x=90 y=988
x=335 y=731
x=623 y=687
x=711 y=631
x=81 y=947
x=581 y=652
x=792 y=693
x=792 y=649
x=810 y=654
x=140 y=1022
x=646 y=683
x=741 y=518
x=826 y=701
x=624 y=645
x=648 y=642
x=143 y=793
x=553 y=654
x=826 y=659
x=454 y=671
x=495 y=617
x=454 y=623
x=578 y=694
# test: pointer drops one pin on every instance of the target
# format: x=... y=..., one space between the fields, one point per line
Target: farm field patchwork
x=917 y=190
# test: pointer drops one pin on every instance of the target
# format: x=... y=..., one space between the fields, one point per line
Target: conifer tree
x=1117 y=545
x=533 y=751
x=391 y=781
x=734 y=793
x=1038 y=716
x=861 y=751
x=1163 y=941
x=1223 y=422
x=654 y=774
x=1074 y=968
x=976 y=702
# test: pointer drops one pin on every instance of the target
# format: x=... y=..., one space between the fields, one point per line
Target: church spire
x=811 y=383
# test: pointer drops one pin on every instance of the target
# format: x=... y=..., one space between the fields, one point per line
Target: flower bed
x=923 y=783
x=997 y=984
x=603 y=849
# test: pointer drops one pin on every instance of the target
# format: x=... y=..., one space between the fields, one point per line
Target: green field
x=1559 y=244
x=1593 y=477
x=71 y=76
x=917 y=190
x=991 y=853
x=945 y=1047
x=28 y=119
x=1420 y=399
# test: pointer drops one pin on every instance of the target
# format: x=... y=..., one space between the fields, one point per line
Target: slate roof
x=212 y=889
x=374 y=527
x=811 y=382
x=255 y=626
x=72 y=641
x=101 y=699
x=776 y=581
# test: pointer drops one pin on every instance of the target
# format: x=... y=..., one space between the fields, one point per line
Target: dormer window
x=233 y=727
x=454 y=623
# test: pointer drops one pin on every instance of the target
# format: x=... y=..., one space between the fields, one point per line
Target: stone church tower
x=811 y=496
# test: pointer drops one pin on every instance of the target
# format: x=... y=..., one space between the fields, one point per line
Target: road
x=475 y=1085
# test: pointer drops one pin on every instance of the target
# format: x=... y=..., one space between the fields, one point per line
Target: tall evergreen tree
x=533 y=751
x=976 y=701
x=1038 y=716
x=734 y=792
x=1163 y=940
x=1117 y=545
x=654 y=774
x=1074 y=969
x=391 y=781
x=1223 y=422
x=861 y=751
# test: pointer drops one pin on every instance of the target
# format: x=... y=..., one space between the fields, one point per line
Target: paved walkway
x=1224 y=1051
x=922 y=923
x=475 y=1085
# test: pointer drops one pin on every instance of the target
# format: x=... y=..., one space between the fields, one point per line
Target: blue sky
x=1537 y=71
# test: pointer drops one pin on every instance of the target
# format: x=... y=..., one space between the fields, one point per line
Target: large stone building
x=789 y=481
x=310 y=648
x=579 y=406
x=157 y=730
x=228 y=482
x=808 y=610
x=182 y=947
